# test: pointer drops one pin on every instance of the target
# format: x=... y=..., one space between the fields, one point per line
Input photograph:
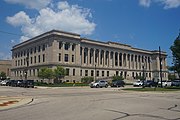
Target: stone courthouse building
x=5 y=66
x=84 y=57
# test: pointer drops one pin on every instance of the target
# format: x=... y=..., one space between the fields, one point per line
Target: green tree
x=2 y=75
x=175 y=48
x=59 y=72
x=117 y=78
x=45 y=73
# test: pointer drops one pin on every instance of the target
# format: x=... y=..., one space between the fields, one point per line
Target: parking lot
x=85 y=103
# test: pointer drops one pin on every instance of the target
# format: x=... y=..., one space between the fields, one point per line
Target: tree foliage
x=47 y=73
x=117 y=78
x=43 y=73
x=175 y=48
x=87 y=79
x=3 y=75
x=59 y=72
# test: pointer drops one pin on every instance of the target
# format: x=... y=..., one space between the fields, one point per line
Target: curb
x=7 y=103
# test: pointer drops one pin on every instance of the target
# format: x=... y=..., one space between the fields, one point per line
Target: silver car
x=99 y=84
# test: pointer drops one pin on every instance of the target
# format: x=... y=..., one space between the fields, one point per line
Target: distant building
x=83 y=57
x=5 y=66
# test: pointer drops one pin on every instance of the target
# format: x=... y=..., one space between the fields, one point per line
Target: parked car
x=118 y=83
x=138 y=83
x=165 y=83
x=13 y=83
x=150 y=83
x=28 y=84
x=4 y=82
x=100 y=83
x=175 y=83
x=19 y=83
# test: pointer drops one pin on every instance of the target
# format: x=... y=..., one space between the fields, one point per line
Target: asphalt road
x=92 y=104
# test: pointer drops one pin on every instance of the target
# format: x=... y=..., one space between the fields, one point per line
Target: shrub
x=87 y=80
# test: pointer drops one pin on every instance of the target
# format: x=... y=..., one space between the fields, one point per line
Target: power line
x=10 y=33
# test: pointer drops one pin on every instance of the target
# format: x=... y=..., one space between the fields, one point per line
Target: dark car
x=150 y=83
x=118 y=83
x=28 y=83
x=13 y=83
x=175 y=83
x=19 y=83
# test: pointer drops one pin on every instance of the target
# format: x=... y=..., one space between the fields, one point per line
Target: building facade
x=5 y=66
x=83 y=57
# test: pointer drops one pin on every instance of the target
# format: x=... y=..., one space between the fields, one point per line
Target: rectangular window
x=39 y=58
x=81 y=73
x=66 y=46
x=102 y=73
x=34 y=49
x=86 y=72
x=117 y=72
x=31 y=60
x=43 y=57
x=97 y=73
x=60 y=45
x=31 y=51
x=34 y=72
x=74 y=71
x=34 y=59
x=92 y=72
x=67 y=71
x=72 y=58
x=44 y=47
x=59 y=56
x=66 y=58
x=73 y=47
x=39 y=49
x=107 y=73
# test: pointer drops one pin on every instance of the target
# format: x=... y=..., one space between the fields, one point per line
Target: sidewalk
x=12 y=102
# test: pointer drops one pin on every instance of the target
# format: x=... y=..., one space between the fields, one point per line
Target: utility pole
x=160 y=61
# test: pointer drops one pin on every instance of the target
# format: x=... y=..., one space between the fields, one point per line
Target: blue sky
x=145 y=24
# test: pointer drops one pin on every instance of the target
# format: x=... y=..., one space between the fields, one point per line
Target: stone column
x=113 y=59
x=62 y=54
x=104 y=58
x=88 y=56
x=122 y=60
x=118 y=59
x=82 y=56
x=94 y=56
x=109 y=59
x=99 y=58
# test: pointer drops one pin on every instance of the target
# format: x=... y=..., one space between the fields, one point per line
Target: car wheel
x=97 y=86
x=106 y=86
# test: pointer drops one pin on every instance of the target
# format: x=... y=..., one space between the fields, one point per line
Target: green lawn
x=153 y=89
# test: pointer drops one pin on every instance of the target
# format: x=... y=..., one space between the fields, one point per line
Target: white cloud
x=166 y=3
x=18 y=19
x=67 y=17
x=145 y=3
x=170 y=3
x=33 y=4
